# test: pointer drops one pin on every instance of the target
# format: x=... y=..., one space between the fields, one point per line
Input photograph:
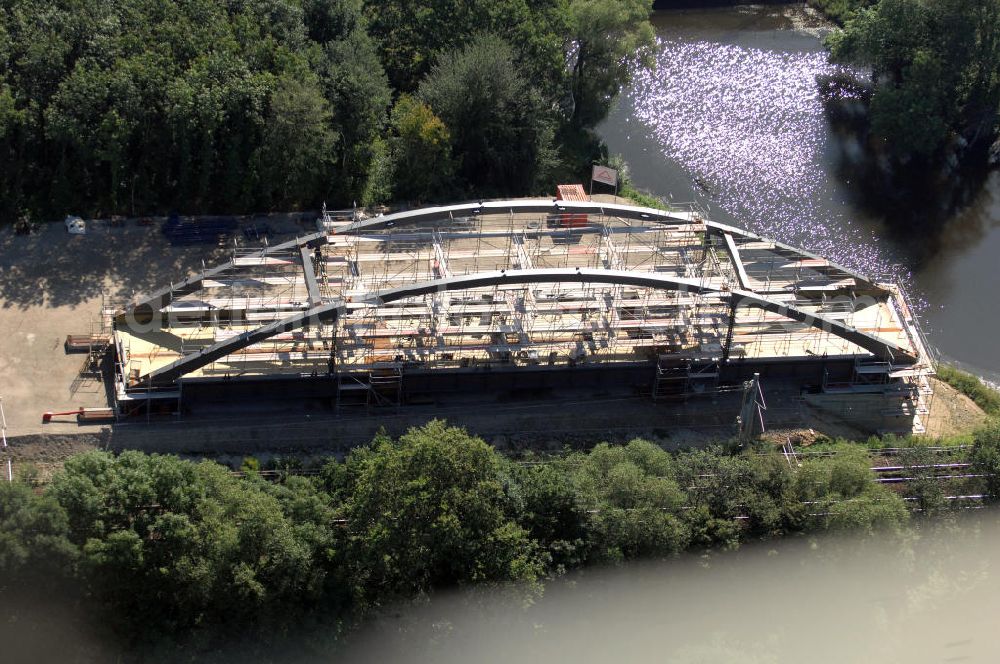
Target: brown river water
x=931 y=595
x=928 y=598
x=731 y=118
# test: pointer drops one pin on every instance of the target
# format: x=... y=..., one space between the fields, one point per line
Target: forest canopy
x=142 y=106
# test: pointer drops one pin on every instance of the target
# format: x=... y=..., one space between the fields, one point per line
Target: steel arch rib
x=330 y=310
x=517 y=206
x=164 y=296
x=553 y=206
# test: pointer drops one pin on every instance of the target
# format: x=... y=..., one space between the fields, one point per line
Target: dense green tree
x=143 y=105
x=924 y=485
x=610 y=39
x=35 y=551
x=434 y=508
x=757 y=487
x=332 y=20
x=767 y=494
x=709 y=531
x=633 y=499
x=161 y=545
x=421 y=148
x=884 y=511
x=934 y=66
x=840 y=493
x=553 y=514
x=849 y=474
x=412 y=35
x=985 y=458
x=841 y=10
x=174 y=544
x=501 y=134
x=377 y=188
x=298 y=144
x=359 y=94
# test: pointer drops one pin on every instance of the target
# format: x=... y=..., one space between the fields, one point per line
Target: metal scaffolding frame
x=740 y=296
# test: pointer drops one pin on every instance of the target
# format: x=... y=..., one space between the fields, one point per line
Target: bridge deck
x=517 y=324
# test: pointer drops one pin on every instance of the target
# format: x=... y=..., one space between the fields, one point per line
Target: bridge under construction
x=519 y=295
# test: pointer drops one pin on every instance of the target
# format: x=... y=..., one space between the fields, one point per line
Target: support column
x=315 y=298
x=728 y=343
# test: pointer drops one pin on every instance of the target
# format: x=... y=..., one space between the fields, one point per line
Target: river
x=731 y=118
x=932 y=598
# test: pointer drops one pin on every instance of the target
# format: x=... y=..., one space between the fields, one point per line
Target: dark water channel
x=731 y=118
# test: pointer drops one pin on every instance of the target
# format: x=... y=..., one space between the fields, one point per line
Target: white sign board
x=608 y=176
x=75 y=225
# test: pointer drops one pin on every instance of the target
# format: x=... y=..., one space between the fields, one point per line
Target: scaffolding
x=688 y=334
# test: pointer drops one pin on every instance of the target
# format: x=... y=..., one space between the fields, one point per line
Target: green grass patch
x=985 y=397
x=642 y=198
x=839 y=11
x=827 y=444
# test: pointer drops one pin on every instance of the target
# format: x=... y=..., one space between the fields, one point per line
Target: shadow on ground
x=52 y=268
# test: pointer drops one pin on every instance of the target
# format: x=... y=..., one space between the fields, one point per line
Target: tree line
x=139 y=106
x=929 y=82
x=160 y=547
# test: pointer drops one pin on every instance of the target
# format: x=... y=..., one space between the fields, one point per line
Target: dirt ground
x=51 y=285
x=952 y=413
x=41 y=455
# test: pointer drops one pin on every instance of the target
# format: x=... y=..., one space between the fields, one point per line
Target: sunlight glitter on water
x=748 y=125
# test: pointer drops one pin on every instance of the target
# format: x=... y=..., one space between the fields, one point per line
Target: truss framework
x=511 y=283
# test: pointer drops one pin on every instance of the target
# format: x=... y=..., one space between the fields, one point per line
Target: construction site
x=524 y=299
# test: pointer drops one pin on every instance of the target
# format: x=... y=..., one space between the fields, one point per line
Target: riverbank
x=281 y=545
x=922 y=599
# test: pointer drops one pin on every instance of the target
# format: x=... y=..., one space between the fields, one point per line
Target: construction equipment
x=48 y=415
x=83 y=415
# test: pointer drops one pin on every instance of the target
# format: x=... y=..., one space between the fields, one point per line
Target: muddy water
x=731 y=118
x=927 y=596
x=933 y=599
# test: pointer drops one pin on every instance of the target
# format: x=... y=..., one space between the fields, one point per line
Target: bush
x=433 y=509
x=985 y=458
x=869 y=513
